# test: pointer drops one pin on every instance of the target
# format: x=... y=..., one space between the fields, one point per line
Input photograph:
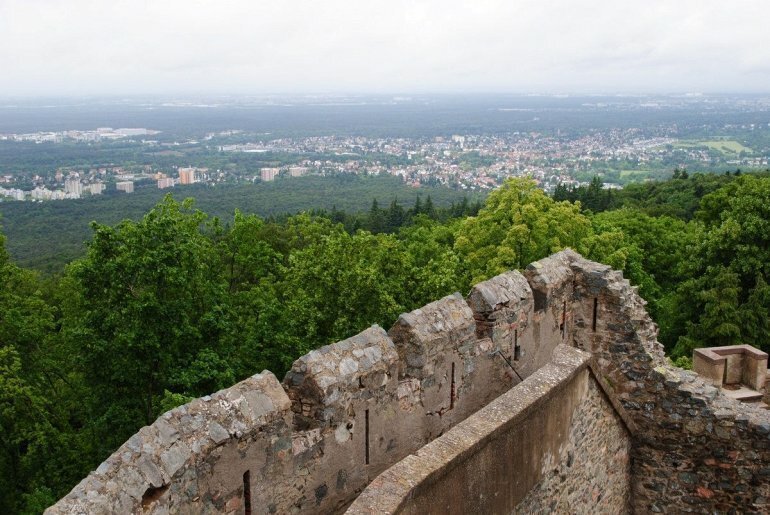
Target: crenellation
x=324 y=384
x=503 y=307
x=552 y=322
x=550 y=278
x=423 y=336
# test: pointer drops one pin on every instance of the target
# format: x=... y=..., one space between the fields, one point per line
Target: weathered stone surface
x=160 y=464
x=592 y=471
x=504 y=290
x=218 y=433
x=503 y=308
x=324 y=383
x=426 y=333
x=549 y=277
x=686 y=431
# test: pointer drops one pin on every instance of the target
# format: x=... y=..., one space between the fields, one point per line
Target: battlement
x=348 y=412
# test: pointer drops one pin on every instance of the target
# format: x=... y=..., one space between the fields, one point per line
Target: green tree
x=247 y=254
x=437 y=269
x=41 y=455
x=738 y=221
x=377 y=221
x=518 y=224
x=342 y=285
x=148 y=307
x=651 y=251
x=718 y=313
x=395 y=218
x=755 y=315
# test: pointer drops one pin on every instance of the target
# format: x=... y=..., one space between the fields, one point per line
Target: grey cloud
x=247 y=46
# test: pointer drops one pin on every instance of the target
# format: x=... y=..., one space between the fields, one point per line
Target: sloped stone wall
x=191 y=460
x=694 y=449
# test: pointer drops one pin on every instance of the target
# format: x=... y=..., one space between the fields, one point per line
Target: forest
x=64 y=225
x=178 y=303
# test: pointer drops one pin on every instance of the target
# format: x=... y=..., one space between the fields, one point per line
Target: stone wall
x=342 y=415
x=342 y=397
x=551 y=280
x=504 y=311
x=552 y=444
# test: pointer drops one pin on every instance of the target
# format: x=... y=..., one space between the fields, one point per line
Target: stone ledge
x=719 y=354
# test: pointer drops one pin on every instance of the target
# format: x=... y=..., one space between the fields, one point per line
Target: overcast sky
x=50 y=47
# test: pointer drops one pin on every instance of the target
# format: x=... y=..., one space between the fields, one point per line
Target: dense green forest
x=177 y=303
x=64 y=225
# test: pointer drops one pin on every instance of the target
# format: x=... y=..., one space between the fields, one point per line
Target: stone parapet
x=698 y=450
x=344 y=413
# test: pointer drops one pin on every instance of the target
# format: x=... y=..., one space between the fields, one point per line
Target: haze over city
x=87 y=47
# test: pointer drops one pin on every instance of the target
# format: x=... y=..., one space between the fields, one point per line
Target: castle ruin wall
x=347 y=412
x=188 y=460
x=344 y=413
x=551 y=280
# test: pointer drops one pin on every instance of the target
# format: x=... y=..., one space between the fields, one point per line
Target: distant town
x=471 y=162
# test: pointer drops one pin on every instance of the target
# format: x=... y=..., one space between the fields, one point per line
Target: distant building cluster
x=75 y=184
x=102 y=133
x=187 y=175
x=165 y=182
x=470 y=162
x=269 y=174
x=125 y=186
x=73 y=189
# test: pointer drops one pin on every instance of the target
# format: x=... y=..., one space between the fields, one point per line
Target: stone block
x=426 y=336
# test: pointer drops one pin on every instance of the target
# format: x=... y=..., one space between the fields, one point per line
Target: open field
x=726 y=146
